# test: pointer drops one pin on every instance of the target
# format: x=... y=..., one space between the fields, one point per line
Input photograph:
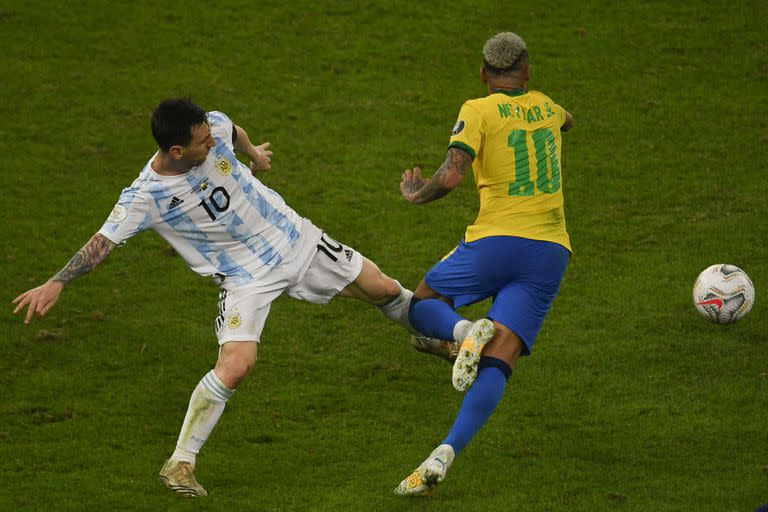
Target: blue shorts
x=523 y=276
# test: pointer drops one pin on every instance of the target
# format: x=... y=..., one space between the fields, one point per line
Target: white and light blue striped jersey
x=218 y=217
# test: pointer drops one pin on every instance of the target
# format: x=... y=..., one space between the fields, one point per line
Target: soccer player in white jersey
x=226 y=224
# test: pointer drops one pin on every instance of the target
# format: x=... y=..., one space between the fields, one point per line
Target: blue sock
x=479 y=402
x=433 y=318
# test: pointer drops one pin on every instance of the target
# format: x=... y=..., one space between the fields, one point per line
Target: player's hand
x=39 y=300
x=411 y=184
x=261 y=157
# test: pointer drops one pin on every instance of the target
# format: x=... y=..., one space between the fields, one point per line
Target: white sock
x=460 y=330
x=205 y=408
x=397 y=309
x=440 y=460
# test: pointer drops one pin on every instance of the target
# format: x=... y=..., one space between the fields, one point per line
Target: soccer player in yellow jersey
x=516 y=251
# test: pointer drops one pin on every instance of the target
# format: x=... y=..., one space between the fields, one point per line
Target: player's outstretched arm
x=40 y=300
x=417 y=190
x=260 y=155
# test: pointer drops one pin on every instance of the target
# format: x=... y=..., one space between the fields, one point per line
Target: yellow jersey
x=514 y=138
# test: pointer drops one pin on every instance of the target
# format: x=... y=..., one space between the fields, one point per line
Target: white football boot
x=441 y=348
x=465 y=366
x=179 y=477
x=431 y=472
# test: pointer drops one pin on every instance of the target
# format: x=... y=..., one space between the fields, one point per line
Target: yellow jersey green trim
x=513 y=92
x=461 y=145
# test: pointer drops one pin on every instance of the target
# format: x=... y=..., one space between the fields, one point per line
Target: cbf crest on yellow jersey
x=515 y=140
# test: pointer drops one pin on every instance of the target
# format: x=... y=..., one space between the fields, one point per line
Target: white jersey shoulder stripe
x=218 y=217
x=242 y=175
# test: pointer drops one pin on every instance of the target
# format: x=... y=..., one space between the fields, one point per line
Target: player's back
x=516 y=140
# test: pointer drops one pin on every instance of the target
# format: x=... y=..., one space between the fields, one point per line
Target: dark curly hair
x=173 y=121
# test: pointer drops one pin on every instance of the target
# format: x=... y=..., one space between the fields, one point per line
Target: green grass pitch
x=630 y=402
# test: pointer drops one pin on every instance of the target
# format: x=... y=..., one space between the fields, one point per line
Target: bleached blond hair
x=503 y=50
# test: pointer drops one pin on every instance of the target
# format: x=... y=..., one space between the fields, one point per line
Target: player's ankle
x=460 y=330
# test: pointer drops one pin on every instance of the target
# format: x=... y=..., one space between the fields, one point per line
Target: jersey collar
x=513 y=92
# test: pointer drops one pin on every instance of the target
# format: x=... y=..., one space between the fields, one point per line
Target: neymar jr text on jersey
x=531 y=115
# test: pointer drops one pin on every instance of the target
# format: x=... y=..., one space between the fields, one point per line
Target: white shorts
x=243 y=310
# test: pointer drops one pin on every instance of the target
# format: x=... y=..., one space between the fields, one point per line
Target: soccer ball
x=723 y=293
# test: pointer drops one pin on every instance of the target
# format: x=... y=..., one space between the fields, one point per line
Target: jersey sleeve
x=557 y=109
x=561 y=112
x=222 y=127
x=129 y=216
x=467 y=133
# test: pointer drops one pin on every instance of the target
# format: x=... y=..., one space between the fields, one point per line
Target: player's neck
x=507 y=85
x=164 y=165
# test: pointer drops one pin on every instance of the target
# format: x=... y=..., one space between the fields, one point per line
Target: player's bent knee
x=235 y=362
x=385 y=290
x=389 y=287
x=505 y=345
x=232 y=373
x=373 y=286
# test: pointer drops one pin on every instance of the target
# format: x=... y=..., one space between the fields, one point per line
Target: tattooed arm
x=41 y=299
x=417 y=190
x=86 y=259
